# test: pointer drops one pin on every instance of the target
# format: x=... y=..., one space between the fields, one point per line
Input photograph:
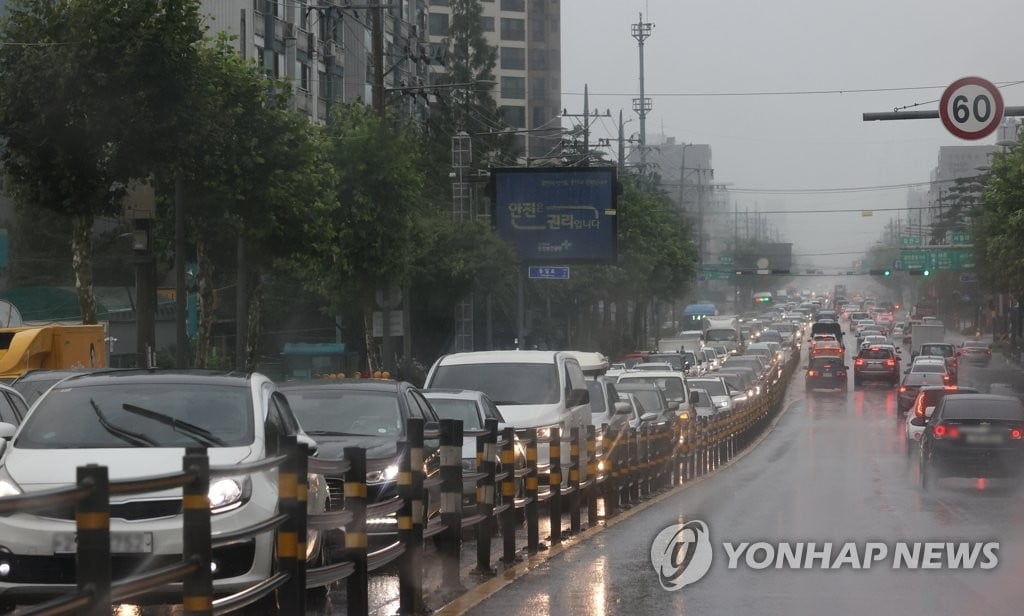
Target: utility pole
x=462 y=211
x=587 y=117
x=622 y=145
x=641 y=31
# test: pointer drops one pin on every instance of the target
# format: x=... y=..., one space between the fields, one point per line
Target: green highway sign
x=960 y=237
x=910 y=240
x=718 y=275
x=914 y=259
x=725 y=259
x=953 y=259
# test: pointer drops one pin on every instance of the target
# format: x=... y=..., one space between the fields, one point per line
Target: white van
x=532 y=389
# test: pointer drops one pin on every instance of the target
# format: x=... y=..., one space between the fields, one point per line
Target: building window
x=518 y=6
x=487 y=23
x=323 y=86
x=538 y=59
x=537 y=86
x=513 y=87
x=538 y=117
x=304 y=76
x=513 y=29
x=438 y=24
x=513 y=58
x=514 y=115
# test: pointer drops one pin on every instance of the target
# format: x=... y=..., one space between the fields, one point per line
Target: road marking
x=478 y=594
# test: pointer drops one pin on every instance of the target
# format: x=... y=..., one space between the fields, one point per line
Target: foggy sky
x=810 y=141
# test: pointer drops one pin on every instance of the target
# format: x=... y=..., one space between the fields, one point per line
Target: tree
x=91 y=95
x=1000 y=228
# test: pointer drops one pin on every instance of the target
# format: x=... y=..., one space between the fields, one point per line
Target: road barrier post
x=197 y=587
x=609 y=456
x=355 y=533
x=532 y=506
x=92 y=525
x=288 y=533
x=555 y=484
x=574 y=480
x=631 y=467
x=485 y=496
x=411 y=519
x=451 y=503
x=592 y=476
x=508 y=495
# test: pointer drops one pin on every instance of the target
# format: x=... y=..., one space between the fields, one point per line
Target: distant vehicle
x=695 y=314
x=973 y=435
x=51 y=347
x=925 y=333
x=718 y=387
x=651 y=397
x=976 y=352
x=762 y=299
x=687 y=340
x=724 y=331
x=703 y=406
x=924 y=405
x=948 y=352
x=932 y=373
x=826 y=373
x=657 y=366
x=876 y=363
x=672 y=384
x=35 y=383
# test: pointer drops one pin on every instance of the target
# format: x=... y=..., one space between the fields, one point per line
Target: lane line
x=478 y=594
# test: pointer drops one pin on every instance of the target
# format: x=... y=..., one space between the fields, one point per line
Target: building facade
x=528 y=73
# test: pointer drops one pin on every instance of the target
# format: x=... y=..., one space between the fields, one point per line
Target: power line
x=785 y=92
x=847 y=189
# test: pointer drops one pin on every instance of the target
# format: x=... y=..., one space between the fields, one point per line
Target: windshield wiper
x=133 y=438
x=331 y=433
x=200 y=435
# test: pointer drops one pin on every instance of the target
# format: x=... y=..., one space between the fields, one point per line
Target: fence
x=619 y=466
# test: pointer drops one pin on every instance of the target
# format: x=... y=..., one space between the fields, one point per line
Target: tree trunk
x=372 y=355
x=255 y=329
x=81 y=262
x=207 y=302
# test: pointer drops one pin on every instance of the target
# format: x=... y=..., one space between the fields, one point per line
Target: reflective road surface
x=834 y=469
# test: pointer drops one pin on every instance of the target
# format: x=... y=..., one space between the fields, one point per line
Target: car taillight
x=988 y=351
x=858 y=362
x=919 y=407
x=1016 y=434
x=903 y=389
x=812 y=373
x=944 y=431
x=840 y=374
x=945 y=377
x=951 y=387
x=890 y=362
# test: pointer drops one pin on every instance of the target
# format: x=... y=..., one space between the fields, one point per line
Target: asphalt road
x=832 y=470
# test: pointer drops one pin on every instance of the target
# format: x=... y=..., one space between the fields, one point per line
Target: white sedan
x=928 y=398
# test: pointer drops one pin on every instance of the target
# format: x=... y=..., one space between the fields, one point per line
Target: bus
x=694 y=315
x=763 y=299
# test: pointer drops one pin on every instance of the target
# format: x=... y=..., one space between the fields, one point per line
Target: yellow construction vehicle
x=50 y=347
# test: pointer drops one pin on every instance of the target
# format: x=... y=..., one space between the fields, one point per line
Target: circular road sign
x=971 y=108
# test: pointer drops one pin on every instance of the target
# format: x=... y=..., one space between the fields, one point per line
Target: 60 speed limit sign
x=971 y=108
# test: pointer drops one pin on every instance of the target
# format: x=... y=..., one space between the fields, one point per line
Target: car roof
x=111 y=377
x=635 y=386
x=949 y=388
x=455 y=394
x=383 y=385
x=649 y=373
x=48 y=375
x=500 y=357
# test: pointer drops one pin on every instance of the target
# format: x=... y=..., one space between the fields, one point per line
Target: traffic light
x=881 y=272
x=926 y=273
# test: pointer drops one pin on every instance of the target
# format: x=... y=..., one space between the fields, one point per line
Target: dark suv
x=826 y=373
x=877 y=363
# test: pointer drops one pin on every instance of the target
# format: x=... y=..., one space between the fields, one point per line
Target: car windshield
x=597 y=404
x=505 y=383
x=928 y=367
x=976 y=345
x=454 y=408
x=346 y=411
x=825 y=363
x=972 y=408
x=671 y=386
x=32 y=389
x=721 y=335
x=875 y=354
x=715 y=387
x=172 y=415
x=942 y=350
x=675 y=360
x=649 y=398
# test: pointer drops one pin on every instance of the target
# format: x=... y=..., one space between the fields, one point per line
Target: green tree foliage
x=1000 y=228
x=91 y=94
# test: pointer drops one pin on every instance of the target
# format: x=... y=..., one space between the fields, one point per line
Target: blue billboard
x=558 y=215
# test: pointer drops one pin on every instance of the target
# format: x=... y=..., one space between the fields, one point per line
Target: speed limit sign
x=971 y=108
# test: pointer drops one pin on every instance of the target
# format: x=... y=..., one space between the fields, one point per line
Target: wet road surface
x=834 y=469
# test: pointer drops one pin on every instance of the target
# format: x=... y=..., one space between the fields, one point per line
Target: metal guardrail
x=619 y=466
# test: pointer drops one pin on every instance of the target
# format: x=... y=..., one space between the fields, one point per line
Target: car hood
x=41 y=469
x=333 y=447
x=531 y=415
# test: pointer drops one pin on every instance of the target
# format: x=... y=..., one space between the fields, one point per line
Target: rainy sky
x=797 y=141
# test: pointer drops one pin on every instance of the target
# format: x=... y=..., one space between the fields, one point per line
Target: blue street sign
x=897 y=264
x=539 y=272
x=968 y=278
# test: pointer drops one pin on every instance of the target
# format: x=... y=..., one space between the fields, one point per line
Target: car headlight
x=722 y=404
x=544 y=433
x=227 y=494
x=7 y=485
x=388 y=474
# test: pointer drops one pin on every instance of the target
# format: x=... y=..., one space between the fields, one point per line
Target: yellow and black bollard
x=532 y=506
x=411 y=520
x=574 y=480
x=92 y=524
x=197 y=587
x=451 y=503
x=555 y=484
x=356 y=544
x=592 y=475
x=508 y=495
x=485 y=496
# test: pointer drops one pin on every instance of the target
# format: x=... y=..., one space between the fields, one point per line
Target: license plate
x=120 y=543
x=984 y=439
x=826 y=374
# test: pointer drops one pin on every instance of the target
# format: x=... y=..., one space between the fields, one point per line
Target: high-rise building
x=324 y=48
x=527 y=35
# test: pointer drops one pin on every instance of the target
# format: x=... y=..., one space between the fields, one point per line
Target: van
x=532 y=389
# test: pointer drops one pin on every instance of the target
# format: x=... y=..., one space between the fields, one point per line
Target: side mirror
x=623 y=408
x=304 y=439
x=649 y=417
x=673 y=406
x=693 y=398
x=577 y=397
x=7 y=430
x=431 y=426
x=919 y=421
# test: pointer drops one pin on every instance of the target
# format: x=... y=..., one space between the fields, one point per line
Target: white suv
x=138 y=424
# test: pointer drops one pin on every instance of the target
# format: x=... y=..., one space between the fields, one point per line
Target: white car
x=717 y=388
x=138 y=424
x=671 y=382
x=928 y=398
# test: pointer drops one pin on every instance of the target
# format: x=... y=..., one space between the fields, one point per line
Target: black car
x=368 y=413
x=826 y=373
x=912 y=382
x=973 y=435
x=876 y=363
